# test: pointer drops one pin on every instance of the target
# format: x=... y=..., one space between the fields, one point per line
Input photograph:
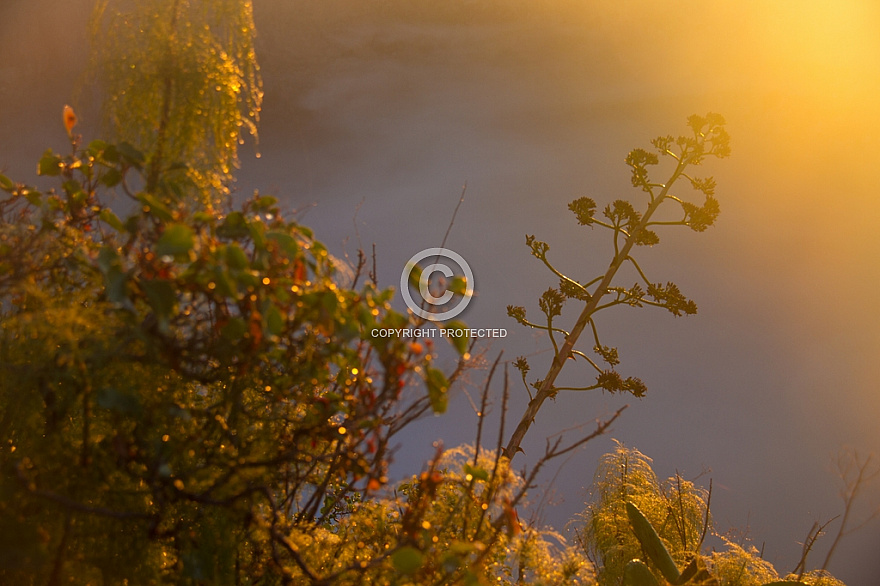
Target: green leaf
x=33 y=196
x=161 y=297
x=415 y=274
x=111 y=220
x=224 y=284
x=109 y=154
x=274 y=320
x=153 y=206
x=49 y=165
x=438 y=386
x=408 y=560
x=131 y=155
x=652 y=544
x=460 y=343
x=108 y=258
x=176 y=240
x=132 y=223
x=116 y=279
x=233 y=226
x=74 y=189
x=236 y=257
x=203 y=218
x=285 y=241
x=117 y=286
x=462 y=547
x=477 y=472
x=258 y=234
x=264 y=202
x=458 y=285
x=637 y=573
x=96 y=147
x=6 y=183
x=111 y=177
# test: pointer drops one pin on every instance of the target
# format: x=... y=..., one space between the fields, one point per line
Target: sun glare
x=829 y=51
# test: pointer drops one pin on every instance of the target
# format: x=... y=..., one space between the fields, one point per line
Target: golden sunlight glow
x=831 y=48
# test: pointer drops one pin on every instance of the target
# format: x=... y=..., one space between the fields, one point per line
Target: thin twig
x=454 y=213
x=850 y=492
x=481 y=415
x=815 y=532
x=706 y=519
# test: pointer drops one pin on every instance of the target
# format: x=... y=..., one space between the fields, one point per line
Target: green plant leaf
x=236 y=257
x=108 y=153
x=49 y=165
x=285 y=241
x=110 y=264
x=111 y=219
x=438 y=385
x=234 y=226
x=96 y=147
x=257 y=231
x=408 y=560
x=476 y=472
x=32 y=195
x=176 y=240
x=155 y=207
x=459 y=342
x=131 y=224
x=264 y=202
x=131 y=155
x=226 y=285
x=111 y=177
x=274 y=320
x=636 y=573
x=203 y=218
x=652 y=544
x=117 y=286
x=161 y=296
x=108 y=258
x=415 y=274
x=458 y=285
x=74 y=189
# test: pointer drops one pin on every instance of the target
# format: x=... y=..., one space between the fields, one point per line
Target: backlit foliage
x=196 y=383
x=181 y=81
x=190 y=394
x=742 y=566
x=676 y=508
x=671 y=550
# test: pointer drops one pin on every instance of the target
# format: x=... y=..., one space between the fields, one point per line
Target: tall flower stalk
x=629 y=229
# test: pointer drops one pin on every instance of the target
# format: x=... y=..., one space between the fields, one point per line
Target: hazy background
x=391 y=105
